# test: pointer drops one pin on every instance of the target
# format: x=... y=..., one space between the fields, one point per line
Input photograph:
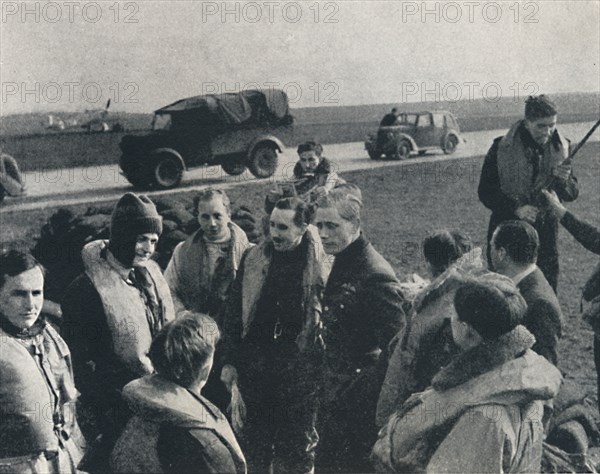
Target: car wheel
x=402 y=150
x=168 y=171
x=263 y=161
x=450 y=144
x=233 y=167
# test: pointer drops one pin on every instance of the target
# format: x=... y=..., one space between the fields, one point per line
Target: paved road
x=96 y=184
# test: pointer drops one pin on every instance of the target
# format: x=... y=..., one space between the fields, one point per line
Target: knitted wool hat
x=133 y=215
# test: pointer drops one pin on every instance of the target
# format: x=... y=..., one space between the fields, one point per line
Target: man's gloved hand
x=319 y=191
x=229 y=376
x=562 y=172
x=237 y=407
x=527 y=213
x=554 y=203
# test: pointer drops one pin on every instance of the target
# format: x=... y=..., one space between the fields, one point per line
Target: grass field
x=403 y=204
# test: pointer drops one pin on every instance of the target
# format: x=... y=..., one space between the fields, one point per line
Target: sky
x=75 y=55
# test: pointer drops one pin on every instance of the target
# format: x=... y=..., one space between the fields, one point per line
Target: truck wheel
x=168 y=171
x=450 y=144
x=263 y=161
x=134 y=172
x=374 y=155
x=233 y=167
x=402 y=150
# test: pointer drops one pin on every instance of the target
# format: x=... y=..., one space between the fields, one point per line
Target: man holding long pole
x=533 y=155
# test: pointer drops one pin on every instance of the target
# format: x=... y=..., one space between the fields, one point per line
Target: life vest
x=125 y=308
x=515 y=170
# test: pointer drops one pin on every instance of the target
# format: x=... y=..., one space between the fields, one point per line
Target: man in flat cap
x=112 y=312
x=518 y=166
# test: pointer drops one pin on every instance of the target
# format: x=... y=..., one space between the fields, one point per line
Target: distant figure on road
x=515 y=170
x=390 y=118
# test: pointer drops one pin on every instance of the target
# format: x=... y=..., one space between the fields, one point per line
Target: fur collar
x=483 y=358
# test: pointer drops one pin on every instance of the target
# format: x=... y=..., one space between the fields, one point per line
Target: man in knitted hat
x=111 y=313
x=518 y=166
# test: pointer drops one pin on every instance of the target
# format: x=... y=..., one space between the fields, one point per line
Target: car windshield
x=161 y=122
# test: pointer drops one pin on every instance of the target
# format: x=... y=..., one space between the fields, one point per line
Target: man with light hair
x=362 y=311
x=203 y=267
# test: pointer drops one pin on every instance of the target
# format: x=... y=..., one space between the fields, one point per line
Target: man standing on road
x=111 y=313
x=515 y=170
x=272 y=340
x=513 y=251
x=362 y=312
x=389 y=118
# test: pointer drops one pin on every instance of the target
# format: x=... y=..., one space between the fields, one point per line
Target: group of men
x=306 y=315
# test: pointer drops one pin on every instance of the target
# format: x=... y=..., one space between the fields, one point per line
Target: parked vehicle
x=233 y=130
x=415 y=133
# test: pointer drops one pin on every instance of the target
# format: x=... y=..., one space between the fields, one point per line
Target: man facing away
x=514 y=250
x=113 y=310
x=515 y=170
x=273 y=349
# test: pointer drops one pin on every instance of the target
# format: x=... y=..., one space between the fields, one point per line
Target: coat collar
x=12 y=330
x=483 y=358
x=354 y=250
x=160 y=400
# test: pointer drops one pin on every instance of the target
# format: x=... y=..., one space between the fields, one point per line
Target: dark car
x=233 y=130
x=416 y=132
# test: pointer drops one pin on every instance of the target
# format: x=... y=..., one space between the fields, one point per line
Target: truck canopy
x=250 y=106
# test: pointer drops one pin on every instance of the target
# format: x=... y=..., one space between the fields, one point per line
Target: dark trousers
x=281 y=410
x=346 y=421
